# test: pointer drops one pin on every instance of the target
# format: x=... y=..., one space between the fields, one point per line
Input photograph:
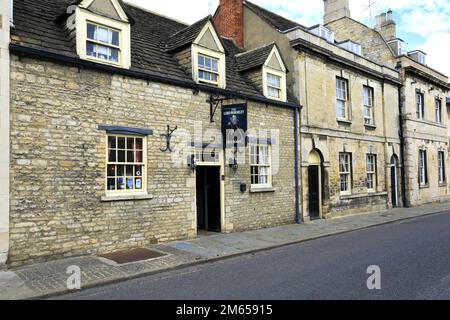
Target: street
x=413 y=256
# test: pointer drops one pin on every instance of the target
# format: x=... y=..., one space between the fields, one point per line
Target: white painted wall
x=4 y=129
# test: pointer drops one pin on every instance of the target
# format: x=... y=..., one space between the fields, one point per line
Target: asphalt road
x=413 y=256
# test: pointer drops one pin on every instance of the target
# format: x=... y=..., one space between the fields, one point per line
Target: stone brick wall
x=321 y=131
x=58 y=164
x=373 y=46
x=424 y=134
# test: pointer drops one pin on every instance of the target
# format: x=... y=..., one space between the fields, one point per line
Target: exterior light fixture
x=192 y=163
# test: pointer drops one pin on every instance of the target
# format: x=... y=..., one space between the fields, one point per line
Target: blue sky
x=424 y=24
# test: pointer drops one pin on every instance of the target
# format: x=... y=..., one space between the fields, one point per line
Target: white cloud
x=437 y=46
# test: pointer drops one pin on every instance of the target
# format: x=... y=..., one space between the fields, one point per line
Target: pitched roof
x=37 y=27
x=253 y=58
x=186 y=35
x=275 y=20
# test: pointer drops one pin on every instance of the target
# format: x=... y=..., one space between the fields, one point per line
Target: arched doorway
x=314 y=184
x=394 y=180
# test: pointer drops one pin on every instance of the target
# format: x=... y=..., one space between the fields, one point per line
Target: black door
x=394 y=186
x=314 y=197
x=208 y=198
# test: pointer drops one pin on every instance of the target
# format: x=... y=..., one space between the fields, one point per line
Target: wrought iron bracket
x=214 y=103
x=168 y=137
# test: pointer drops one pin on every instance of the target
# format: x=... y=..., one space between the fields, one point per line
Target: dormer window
x=351 y=46
x=208 y=58
x=323 y=32
x=274 y=76
x=399 y=47
x=103 y=33
x=103 y=43
x=208 y=69
x=418 y=56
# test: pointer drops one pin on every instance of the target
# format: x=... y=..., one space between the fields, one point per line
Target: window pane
x=111 y=170
x=112 y=142
x=201 y=61
x=130 y=183
x=121 y=156
x=112 y=184
x=102 y=35
x=130 y=143
x=340 y=109
x=138 y=143
x=214 y=77
x=114 y=55
x=138 y=171
x=120 y=170
x=215 y=65
x=121 y=142
x=139 y=158
x=112 y=155
x=138 y=184
x=103 y=52
x=130 y=156
x=273 y=80
x=91 y=49
x=121 y=183
x=207 y=63
x=130 y=171
x=115 y=38
x=91 y=30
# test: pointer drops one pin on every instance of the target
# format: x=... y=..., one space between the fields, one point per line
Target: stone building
x=350 y=144
x=101 y=93
x=422 y=97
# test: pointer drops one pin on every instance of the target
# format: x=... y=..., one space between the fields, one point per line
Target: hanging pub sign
x=234 y=123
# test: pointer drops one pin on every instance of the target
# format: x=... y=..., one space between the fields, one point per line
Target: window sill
x=442 y=185
x=127 y=197
x=370 y=126
x=254 y=189
x=344 y=121
x=424 y=186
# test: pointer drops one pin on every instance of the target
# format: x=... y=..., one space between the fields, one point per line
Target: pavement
x=50 y=279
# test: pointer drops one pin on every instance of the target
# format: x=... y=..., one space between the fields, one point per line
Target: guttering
x=298 y=219
x=21 y=50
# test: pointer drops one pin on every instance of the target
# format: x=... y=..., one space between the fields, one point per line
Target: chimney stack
x=229 y=20
x=335 y=10
x=386 y=26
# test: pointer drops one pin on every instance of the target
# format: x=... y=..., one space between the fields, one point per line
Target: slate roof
x=275 y=20
x=186 y=35
x=253 y=58
x=38 y=26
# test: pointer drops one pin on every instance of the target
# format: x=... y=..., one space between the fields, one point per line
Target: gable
x=208 y=41
x=209 y=38
x=104 y=8
x=274 y=63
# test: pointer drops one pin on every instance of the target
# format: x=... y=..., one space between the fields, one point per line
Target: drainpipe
x=402 y=147
x=298 y=219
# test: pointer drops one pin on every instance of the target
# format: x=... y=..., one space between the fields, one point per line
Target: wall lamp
x=192 y=163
